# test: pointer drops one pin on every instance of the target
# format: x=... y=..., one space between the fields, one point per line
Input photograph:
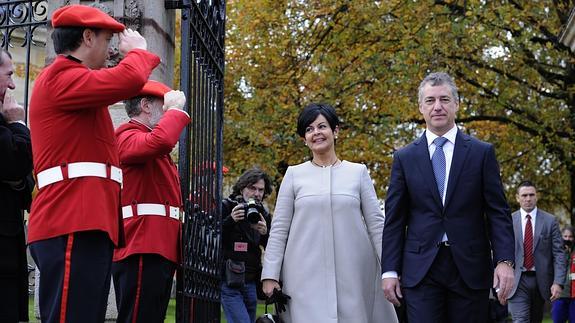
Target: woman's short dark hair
x=67 y=39
x=250 y=177
x=311 y=112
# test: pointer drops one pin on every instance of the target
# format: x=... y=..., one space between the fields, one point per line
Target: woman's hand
x=268 y=286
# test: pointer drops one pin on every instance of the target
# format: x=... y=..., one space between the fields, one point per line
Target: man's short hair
x=437 y=79
x=3 y=50
x=250 y=177
x=526 y=183
x=67 y=39
x=132 y=105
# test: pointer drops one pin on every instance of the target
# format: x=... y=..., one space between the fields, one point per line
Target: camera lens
x=253 y=215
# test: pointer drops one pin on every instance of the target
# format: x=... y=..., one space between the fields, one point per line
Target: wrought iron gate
x=200 y=163
x=23 y=31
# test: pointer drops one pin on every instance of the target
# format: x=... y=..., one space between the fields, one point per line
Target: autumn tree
x=367 y=58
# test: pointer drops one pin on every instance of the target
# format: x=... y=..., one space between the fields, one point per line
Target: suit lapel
x=424 y=162
x=538 y=228
x=518 y=231
x=462 y=144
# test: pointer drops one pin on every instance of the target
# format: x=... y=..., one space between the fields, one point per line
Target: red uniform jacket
x=150 y=176
x=70 y=122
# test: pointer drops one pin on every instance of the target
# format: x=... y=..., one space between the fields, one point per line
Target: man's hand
x=131 y=39
x=238 y=213
x=555 y=292
x=174 y=100
x=11 y=110
x=260 y=226
x=503 y=281
x=268 y=286
x=392 y=290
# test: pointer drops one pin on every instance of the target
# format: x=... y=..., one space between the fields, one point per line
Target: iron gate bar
x=200 y=162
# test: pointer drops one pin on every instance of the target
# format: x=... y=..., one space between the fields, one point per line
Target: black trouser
x=143 y=283
x=13 y=278
x=75 y=274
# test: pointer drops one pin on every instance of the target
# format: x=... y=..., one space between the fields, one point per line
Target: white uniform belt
x=79 y=169
x=150 y=209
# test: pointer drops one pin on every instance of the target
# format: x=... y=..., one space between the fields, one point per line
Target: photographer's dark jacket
x=241 y=231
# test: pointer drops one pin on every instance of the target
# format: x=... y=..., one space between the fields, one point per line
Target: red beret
x=154 y=88
x=84 y=16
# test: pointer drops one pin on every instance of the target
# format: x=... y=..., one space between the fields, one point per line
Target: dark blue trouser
x=75 y=274
x=563 y=309
x=143 y=283
x=239 y=303
x=443 y=297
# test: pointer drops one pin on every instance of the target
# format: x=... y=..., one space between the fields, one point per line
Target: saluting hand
x=131 y=39
x=11 y=110
x=174 y=100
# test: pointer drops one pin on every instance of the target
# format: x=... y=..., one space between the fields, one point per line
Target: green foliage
x=367 y=58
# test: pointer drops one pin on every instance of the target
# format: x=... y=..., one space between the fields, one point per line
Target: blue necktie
x=438 y=162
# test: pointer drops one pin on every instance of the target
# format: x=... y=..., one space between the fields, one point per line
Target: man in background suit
x=446 y=217
x=16 y=186
x=541 y=262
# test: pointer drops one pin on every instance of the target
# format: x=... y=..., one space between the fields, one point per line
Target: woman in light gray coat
x=325 y=237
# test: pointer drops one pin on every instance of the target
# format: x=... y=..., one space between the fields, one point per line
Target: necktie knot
x=439 y=141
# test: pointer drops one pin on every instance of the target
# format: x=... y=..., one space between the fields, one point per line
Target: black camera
x=253 y=209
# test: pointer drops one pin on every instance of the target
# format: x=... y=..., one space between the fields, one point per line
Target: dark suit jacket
x=475 y=217
x=548 y=253
x=16 y=185
x=15 y=176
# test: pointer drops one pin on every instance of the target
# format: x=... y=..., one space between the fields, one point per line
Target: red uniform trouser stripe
x=138 y=289
x=66 y=280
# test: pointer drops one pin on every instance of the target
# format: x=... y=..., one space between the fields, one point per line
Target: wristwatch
x=507 y=262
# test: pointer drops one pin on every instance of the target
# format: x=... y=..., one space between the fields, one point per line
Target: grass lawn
x=171 y=314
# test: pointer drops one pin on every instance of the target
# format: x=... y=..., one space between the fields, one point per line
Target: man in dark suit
x=447 y=220
x=15 y=189
x=540 y=257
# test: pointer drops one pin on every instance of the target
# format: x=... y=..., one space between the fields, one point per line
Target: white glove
x=174 y=100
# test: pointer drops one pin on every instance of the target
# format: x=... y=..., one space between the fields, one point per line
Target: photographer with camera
x=245 y=228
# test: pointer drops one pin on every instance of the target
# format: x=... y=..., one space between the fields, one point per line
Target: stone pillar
x=157 y=25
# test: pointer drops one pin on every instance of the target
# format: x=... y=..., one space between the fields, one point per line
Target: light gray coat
x=324 y=244
x=548 y=252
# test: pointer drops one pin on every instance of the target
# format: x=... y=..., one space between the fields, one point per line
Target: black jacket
x=16 y=183
x=241 y=231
